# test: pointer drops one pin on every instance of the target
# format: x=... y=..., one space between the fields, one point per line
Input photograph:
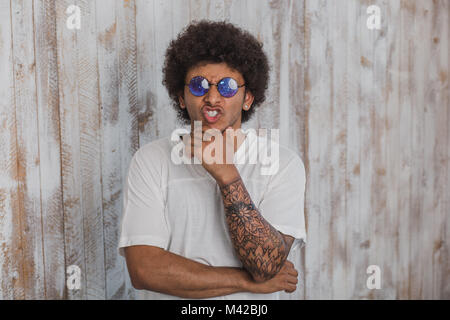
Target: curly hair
x=215 y=42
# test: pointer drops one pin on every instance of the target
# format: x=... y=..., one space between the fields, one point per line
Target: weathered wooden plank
x=425 y=110
x=128 y=90
x=180 y=15
x=419 y=57
x=49 y=148
x=147 y=97
x=270 y=32
x=111 y=174
x=318 y=271
x=445 y=288
x=382 y=233
x=117 y=286
x=309 y=209
x=28 y=175
x=156 y=115
x=422 y=188
x=352 y=138
x=211 y=10
x=11 y=272
x=285 y=105
x=401 y=75
x=367 y=104
x=296 y=114
x=394 y=273
x=70 y=147
x=90 y=152
x=336 y=54
x=437 y=108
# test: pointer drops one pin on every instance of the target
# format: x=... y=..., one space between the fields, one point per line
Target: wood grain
x=12 y=283
x=367 y=111
x=49 y=148
x=70 y=148
x=28 y=175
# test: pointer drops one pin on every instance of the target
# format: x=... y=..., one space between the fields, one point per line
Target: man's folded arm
x=153 y=268
x=260 y=247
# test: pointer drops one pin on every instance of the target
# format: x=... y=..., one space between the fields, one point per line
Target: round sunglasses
x=227 y=87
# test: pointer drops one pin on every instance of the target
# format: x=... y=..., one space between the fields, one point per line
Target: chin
x=213 y=126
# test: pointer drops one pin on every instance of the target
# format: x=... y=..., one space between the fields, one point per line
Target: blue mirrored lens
x=198 y=86
x=227 y=87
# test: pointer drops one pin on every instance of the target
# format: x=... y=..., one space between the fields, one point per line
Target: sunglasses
x=227 y=87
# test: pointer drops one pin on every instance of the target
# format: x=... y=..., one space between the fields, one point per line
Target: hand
x=213 y=152
x=286 y=279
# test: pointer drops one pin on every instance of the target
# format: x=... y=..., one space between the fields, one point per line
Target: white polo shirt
x=179 y=207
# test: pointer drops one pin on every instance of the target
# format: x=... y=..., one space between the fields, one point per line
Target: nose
x=213 y=96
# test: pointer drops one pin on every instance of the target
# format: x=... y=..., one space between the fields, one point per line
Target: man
x=214 y=229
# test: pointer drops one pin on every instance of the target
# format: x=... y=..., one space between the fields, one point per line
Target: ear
x=181 y=101
x=248 y=100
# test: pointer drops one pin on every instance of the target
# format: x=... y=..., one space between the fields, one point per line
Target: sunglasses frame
x=213 y=84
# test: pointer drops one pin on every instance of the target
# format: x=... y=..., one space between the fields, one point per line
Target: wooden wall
x=367 y=110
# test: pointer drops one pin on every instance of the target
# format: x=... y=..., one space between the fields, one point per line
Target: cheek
x=235 y=111
x=191 y=102
x=236 y=106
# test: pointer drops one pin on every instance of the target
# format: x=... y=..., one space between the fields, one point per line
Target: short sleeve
x=143 y=220
x=282 y=204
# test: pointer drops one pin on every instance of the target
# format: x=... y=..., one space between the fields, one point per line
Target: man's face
x=229 y=109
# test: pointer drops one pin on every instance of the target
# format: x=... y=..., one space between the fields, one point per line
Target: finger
x=292 y=280
x=292 y=272
x=290 y=288
x=288 y=263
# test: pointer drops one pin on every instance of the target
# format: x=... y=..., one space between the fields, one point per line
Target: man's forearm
x=217 y=281
x=175 y=275
x=260 y=247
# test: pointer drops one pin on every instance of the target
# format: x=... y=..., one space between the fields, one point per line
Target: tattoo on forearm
x=260 y=247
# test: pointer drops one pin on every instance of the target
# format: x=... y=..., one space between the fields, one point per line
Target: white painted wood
x=353 y=144
x=90 y=152
x=107 y=42
x=129 y=107
x=367 y=110
x=401 y=89
x=420 y=193
x=445 y=284
x=317 y=132
x=49 y=148
x=70 y=147
x=10 y=266
x=28 y=175
x=393 y=166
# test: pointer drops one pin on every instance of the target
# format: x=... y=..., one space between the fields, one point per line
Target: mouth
x=212 y=115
